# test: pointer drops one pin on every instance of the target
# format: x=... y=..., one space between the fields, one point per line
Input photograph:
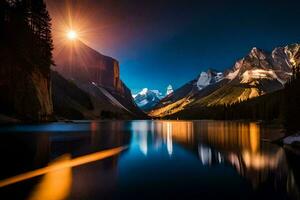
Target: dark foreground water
x=160 y=160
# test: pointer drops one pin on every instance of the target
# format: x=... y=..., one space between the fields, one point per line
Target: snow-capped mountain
x=206 y=81
x=260 y=65
x=208 y=78
x=257 y=73
x=169 y=90
x=146 y=99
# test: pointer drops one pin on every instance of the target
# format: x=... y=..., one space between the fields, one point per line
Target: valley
x=149 y=100
x=257 y=74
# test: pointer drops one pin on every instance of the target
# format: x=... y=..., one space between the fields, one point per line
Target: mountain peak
x=257 y=53
x=255 y=74
x=254 y=49
x=209 y=77
x=146 y=99
x=293 y=53
x=212 y=70
x=147 y=92
x=169 y=90
x=144 y=91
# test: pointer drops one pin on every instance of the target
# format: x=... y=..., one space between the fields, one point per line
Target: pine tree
x=291 y=108
x=39 y=22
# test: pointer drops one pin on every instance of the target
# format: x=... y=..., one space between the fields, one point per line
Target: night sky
x=161 y=42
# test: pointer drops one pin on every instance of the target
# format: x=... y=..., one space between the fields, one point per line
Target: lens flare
x=72 y=35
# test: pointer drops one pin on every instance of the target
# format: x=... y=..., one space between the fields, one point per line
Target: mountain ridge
x=258 y=73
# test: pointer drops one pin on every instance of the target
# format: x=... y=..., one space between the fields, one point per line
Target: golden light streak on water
x=254 y=137
x=230 y=136
x=181 y=131
x=240 y=141
x=62 y=165
x=262 y=161
x=55 y=185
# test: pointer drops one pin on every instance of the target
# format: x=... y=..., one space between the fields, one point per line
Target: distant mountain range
x=257 y=73
x=147 y=99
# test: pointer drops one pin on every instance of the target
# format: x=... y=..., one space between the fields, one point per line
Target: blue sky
x=171 y=41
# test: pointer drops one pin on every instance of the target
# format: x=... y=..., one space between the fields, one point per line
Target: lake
x=146 y=160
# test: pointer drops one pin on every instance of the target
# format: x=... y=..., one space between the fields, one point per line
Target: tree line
x=25 y=46
x=26 y=34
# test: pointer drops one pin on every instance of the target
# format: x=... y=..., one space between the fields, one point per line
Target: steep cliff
x=79 y=62
x=89 y=101
x=25 y=60
x=26 y=95
x=99 y=76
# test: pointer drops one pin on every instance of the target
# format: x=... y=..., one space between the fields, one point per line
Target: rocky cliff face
x=82 y=63
x=25 y=59
x=98 y=76
x=208 y=78
x=89 y=101
x=275 y=65
x=26 y=93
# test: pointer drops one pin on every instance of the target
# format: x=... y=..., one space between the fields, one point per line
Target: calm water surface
x=159 y=160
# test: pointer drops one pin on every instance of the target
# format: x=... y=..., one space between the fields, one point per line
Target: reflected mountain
x=225 y=142
x=164 y=159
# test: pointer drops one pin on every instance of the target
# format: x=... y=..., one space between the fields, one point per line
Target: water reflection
x=220 y=142
x=54 y=185
x=164 y=159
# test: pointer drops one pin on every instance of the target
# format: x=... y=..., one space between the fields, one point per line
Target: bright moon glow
x=72 y=35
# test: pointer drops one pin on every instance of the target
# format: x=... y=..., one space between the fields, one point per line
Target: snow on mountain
x=146 y=99
x=144 y=91
x=158 y=94
x=233 y=74
x=219 y=76
x=235 y=71
x=258 y=74
x=204 y=80
x=261 y=65
x=169 y=90
x=208 y=78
